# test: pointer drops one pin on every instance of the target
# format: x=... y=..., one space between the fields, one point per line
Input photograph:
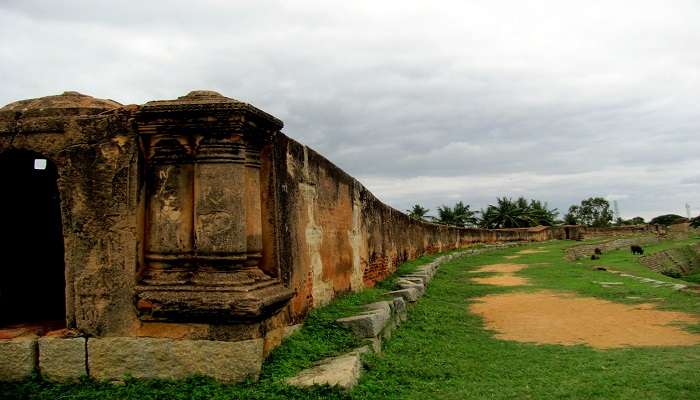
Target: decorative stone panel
x=205 y=211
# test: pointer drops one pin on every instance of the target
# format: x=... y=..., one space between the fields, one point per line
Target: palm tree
x=517 y=214
x=459 y=215
x=417 y=212
x=506 y=214
x=540 y=214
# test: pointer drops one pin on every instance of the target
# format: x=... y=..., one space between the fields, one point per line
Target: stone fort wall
x=196 y=221
x=347 y=239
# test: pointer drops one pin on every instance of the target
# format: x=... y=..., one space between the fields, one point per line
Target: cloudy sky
x=428 y=102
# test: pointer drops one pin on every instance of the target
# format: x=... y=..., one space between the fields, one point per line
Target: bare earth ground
x=505 y=275
x=562 y=318
x=502 y=268
x=529 y=251
x=502 y=280
x=511 y=257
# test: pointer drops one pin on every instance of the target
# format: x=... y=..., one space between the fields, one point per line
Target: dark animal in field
x=636 y=249
x=598 y=251
x=595 y=257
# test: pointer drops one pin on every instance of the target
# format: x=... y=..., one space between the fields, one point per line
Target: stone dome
x=68 y=103
x=209 y=102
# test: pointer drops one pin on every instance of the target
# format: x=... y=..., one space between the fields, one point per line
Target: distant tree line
x=506 y=213
x=668 y=219
x=523 y=213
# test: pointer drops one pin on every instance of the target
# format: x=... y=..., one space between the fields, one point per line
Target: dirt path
x=501 y=268
x=529 y=251
x=505 y=275
x=563 y=318
x=502 y=280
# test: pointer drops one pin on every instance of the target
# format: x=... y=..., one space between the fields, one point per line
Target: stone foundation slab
x=17 y=358
x=62 y=359
x=115 y=358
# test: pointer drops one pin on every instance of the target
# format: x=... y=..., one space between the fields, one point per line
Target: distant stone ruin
x=181 y=237
x=675 y=262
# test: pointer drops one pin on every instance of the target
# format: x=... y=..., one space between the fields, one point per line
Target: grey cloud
x=691 y=180
x=546 y=99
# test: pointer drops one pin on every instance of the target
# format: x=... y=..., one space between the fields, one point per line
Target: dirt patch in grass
x=563 y=318
x=505 y=275
x=529 y=251
x=511 y=257
x=502 y=280
x=502 y=268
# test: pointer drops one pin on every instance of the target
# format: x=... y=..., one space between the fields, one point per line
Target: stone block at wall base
x=273 y=339
x=367 y=325
x=292 y=329
x=398 y=306
x=17 y=358
x=406 y=284
x=410 y=295
x=343 y=371
x=113 y=358
x=62 y=359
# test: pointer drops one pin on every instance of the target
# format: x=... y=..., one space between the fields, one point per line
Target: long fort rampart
x=192 y=222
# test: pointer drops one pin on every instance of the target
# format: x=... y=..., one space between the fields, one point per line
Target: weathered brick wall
x=345 y=239
x=612 y=231
x=321 y=232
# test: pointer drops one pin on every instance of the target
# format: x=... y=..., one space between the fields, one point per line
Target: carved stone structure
x=191 y=224
x=204 y=256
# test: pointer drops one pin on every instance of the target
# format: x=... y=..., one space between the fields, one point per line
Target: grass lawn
x=444 y=352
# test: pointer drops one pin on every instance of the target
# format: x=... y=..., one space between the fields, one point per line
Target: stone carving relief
x=204 y=213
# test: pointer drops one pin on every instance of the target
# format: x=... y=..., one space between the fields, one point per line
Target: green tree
x=570 y=217
x=459 y=215
x=594 y=211
x=632 y=221
x=541 y=214
x=506 y=213
x=520 y=213
x=636 y=221
x=695 y=222
x=417 y=212
x=668 y=219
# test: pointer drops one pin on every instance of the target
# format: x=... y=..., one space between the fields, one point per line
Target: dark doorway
x=32 y=277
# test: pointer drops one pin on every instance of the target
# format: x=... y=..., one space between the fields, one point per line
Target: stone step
x=343 y=371
x=410 y=295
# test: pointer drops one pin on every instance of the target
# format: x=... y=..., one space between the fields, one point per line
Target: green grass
x=444 y=352
x=580 y=277
x=320 y=337
x=694 y=278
